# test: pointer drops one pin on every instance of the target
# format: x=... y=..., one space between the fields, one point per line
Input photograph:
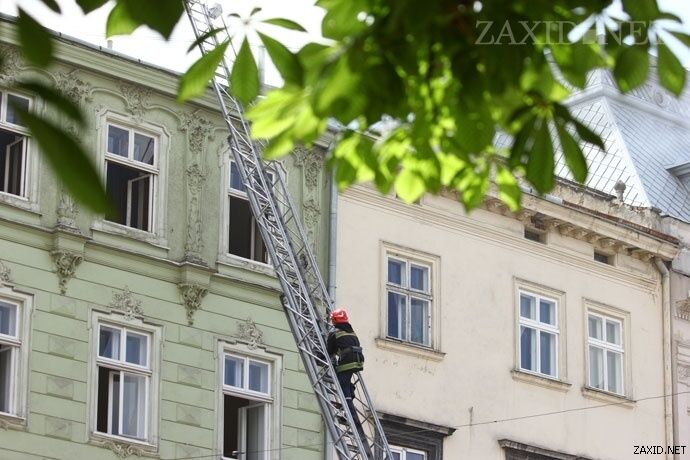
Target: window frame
x=606 y=347
x=404 y=450
x=153 y=333
x=561 y=357
x=412 y=258
x=539 y=327
x=271 y=401
x=19 y=389
x=25 y=180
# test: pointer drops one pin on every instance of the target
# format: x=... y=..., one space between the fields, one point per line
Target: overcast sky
x=151 y=47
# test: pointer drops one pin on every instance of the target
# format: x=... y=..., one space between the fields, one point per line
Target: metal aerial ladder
x=305 y=298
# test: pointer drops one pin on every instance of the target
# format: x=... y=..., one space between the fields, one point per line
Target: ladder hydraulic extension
x=305 y=298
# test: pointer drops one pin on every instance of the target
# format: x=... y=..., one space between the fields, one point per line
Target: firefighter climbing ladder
x=304 y=293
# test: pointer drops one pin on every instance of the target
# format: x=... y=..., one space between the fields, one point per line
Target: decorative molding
x=124 y=450
x=70 y=86
x=192 y=295
x=5 y=274
x=310 y=163
x=127 y=303
x=11 y=63
x=66 y=263
x=67 y=211
x=250 y=333
x=683 y=372
x=683 y=309
x=311 y=211
x=136 y=99
x=194 y=244
x=198 y=130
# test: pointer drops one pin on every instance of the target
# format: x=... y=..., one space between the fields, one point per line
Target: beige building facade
x=495 y=335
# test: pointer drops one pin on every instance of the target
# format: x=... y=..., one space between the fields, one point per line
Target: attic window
x=603 y=258
x=535 y=235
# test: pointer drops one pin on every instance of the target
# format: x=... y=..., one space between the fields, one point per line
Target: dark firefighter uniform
x=344 y=345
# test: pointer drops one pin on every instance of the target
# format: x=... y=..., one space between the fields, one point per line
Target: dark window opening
x=244 y=428
x=12 y=162
x=129 y=191
x=244 y=236
x=5 y=377
x=103 y=397
x=603 y=258
x=533 y=235
x=232 y=425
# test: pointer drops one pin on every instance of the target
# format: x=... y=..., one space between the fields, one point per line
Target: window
x=244 y=238
x=535 y=235
x=603 y=258
x=538 y=342
x=409 y=299
x=403 y=453
x=131 y=174
x=246 y=407
x=14 y=142
x=124 y=373
x=10 y=345
x=605 y=353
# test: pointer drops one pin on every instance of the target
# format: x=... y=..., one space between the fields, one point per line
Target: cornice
x=461 y=223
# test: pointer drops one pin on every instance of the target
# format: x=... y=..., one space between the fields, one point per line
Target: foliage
x=421 y=90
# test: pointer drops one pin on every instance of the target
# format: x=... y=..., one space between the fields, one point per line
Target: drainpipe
x=668 y=376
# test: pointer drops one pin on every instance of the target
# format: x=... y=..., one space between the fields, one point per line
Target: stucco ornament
x=5 y=274
x=194 y=243
x=66 y=264
x=198 y=130
x=311 y=165
x=192 y=295
x=73 y=88
x=11 y=63
x=136 y=99
x=127 y=303
x=123 y=450
x=683 y=308
x=67 y=211
x=250 y=333
x=684 y=374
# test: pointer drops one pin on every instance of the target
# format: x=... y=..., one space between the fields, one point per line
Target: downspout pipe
x=669 y=409
x=332 y=264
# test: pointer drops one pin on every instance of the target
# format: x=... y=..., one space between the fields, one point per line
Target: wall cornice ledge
x=459 y=222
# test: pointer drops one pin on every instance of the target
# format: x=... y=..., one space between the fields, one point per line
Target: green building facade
x=156 y=330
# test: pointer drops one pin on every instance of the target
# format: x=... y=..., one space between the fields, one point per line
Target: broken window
x=9 y=354
x=246 y=408
x=13 y=145
x=124 y=373
x=409 y=301
x=244 y=237
x=131 y=173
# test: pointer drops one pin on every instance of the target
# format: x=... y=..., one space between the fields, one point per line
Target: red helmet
x=339 y=316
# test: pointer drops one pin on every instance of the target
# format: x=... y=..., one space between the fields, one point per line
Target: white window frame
x=224 y=255
x=410 y=257
x=539 y=326
x=20 y=360
x=151 y=372
x=25 y=180
x=605 y=347
x=553 y=295
x=157 y=233
x=270 y=400
x=404 y=450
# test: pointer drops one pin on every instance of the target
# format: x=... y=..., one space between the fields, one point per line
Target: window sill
x=610 y=398
x=409 y=349
x=12 y=422
x=20 y=203
x=540 y=380
x=249 y=264
x=123 y=236
x=122 y=446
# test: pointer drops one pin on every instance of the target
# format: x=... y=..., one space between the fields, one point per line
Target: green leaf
x=409 y=186
x=541 y=163
x=285 y=24
x=642 y=10
x=195 y=80
x=587 y=134
x=69 y=161
x=572 y=152
x=341 y=19
x=632 y=66
x=88 y=6
x=682 y=37
x=671 y=72
x=161 y=16
x=52 y=4
x=35 y=40
x=51 y=96
x=120 y=22
x=244 y=78
x=508 y=188
x=287 y=63
x=255 y=10
x=203 y=38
